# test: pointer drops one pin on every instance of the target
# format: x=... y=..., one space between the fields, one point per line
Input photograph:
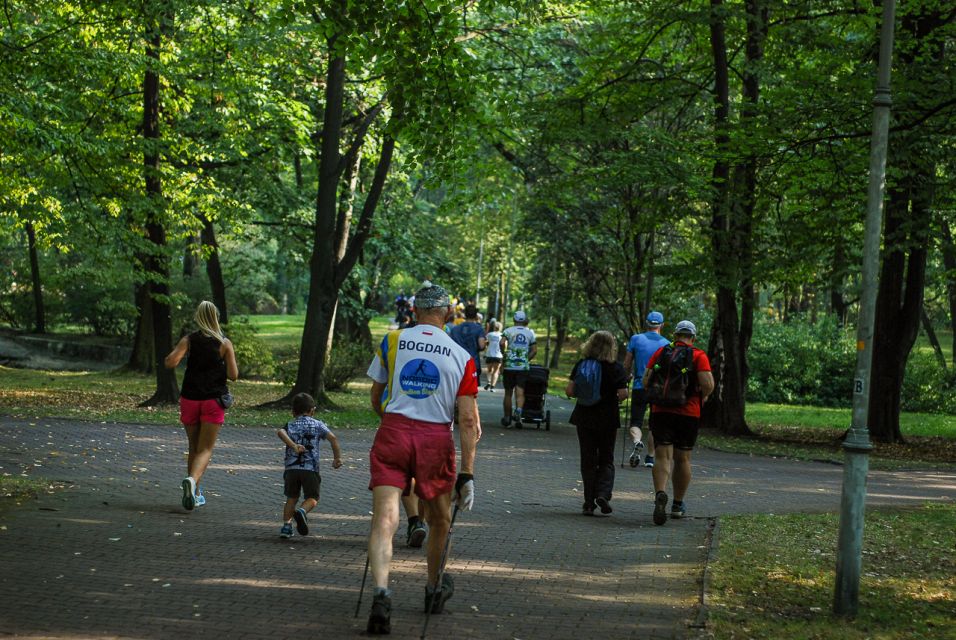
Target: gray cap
x=521 y=316
x=685 y=327
x=431 y=296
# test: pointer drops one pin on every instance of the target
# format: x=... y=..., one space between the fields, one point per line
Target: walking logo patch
x=419 y=378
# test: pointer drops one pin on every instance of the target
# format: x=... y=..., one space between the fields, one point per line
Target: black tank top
x=205 y=376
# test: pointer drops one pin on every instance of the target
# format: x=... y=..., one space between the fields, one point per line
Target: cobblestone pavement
x=114 y=554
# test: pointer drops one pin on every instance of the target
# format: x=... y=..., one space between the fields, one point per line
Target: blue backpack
x=587 y=383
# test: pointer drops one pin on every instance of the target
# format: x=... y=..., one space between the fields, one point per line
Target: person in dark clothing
x=597 y=424
x=211 y=359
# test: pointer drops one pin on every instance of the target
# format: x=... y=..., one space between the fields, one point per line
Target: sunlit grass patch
x=774 y=576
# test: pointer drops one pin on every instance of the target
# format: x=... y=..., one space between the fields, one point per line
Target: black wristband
x=463 y=479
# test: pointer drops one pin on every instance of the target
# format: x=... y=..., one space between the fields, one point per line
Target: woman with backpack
x=599 y=383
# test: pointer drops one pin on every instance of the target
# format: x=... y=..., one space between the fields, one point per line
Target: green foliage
x=252 y=354
x=347 y=360
x=927 y=387
x=800 y=362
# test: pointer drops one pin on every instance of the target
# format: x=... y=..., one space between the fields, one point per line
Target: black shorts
x=301 y=481
x=491 y=359
x=515 y=378
x=675 y=429
x=639 y=406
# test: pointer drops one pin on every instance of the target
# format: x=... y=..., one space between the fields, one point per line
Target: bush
x=347 y=360
x=927 y=387
x=798 y=362
x=252 y=354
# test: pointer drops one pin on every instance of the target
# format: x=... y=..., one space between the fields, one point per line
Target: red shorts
x=200 y=411
x=404 y=449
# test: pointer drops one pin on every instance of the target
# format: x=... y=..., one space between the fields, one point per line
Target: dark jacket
x=605 y=414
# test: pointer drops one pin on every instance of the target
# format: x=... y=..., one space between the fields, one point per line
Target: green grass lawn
x=774 y=577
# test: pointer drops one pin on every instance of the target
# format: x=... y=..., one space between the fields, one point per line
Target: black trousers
x=597 y=462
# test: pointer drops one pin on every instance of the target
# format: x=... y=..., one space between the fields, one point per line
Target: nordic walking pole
x=441 y=570
x=627 y=418
x=358 y=605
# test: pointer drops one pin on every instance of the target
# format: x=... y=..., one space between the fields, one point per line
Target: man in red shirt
x=675 y=428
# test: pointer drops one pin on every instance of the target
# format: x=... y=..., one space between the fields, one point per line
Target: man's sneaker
x=648 y=461
x=189 y=493
x=436 y=598
x=200 y=498
x=517 y=420
x=380 y=619
x=286 y=531
x=635 y=458
x=416 y=534
x=301 y=522
x=660 y=508
x=506 y=421
x=677 y=509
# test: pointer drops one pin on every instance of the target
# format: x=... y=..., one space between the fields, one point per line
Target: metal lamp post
x=857 y=444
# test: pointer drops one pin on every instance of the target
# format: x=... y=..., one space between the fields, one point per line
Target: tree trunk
x=39 y=318
x=167 y=391
x=906 y=228
x=214 y=268
x=949 y=262
x=141 y=358
x=931 y=336
x=560 y=337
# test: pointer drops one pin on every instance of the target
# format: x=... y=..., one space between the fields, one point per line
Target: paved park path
x=114 y=555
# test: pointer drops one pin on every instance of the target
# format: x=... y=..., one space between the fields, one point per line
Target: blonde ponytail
x=207 y=319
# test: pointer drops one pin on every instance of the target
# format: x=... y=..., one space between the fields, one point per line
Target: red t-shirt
x=692 y=408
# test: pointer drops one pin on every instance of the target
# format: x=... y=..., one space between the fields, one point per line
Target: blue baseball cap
x=655 y=318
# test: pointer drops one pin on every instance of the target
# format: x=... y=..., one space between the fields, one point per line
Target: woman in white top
x=493 y=356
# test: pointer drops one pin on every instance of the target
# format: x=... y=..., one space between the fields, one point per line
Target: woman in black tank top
x=211 y=360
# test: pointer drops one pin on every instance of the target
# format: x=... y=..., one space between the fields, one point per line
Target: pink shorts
x=404 y=449
x=200 y=412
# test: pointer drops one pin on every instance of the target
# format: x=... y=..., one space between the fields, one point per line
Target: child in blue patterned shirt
x=302 y=436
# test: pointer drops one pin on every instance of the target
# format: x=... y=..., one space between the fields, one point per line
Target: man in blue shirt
x=470 y=335
x=640 y=348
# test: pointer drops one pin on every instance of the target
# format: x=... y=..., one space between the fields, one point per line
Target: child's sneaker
x=286 y=531
x=189 y=493
x=301 y=522
x=380 y=618
x=649 y=461
x=200 y=498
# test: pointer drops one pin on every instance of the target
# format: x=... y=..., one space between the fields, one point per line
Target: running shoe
x=587 y=510
x=436 y=598
x=677 y=510
x=286 y=531
x=660 y=508
x=517 y=420
x=416 y=534
x=200 y=498
x=189 y=493
x=380 y=619
x=649 y=461
x=635 y=458
x=506 y=421
x=301 y=522
x=602 y=504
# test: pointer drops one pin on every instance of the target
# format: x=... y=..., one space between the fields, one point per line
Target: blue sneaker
x=286 y=531
x=648 y=461
x=200 y=498
x=301 y=522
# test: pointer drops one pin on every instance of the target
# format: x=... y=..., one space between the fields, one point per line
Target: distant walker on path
x=518 y=343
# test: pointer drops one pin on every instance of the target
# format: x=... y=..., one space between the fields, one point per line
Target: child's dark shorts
x=302 y=481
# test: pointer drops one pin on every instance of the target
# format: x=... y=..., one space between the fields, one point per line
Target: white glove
x=465 y=491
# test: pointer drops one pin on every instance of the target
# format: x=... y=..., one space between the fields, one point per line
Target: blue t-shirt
x=309 y=432
x=467 y=335
x=642 y=346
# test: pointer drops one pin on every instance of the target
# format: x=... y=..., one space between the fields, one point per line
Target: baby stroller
x=535 y=388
